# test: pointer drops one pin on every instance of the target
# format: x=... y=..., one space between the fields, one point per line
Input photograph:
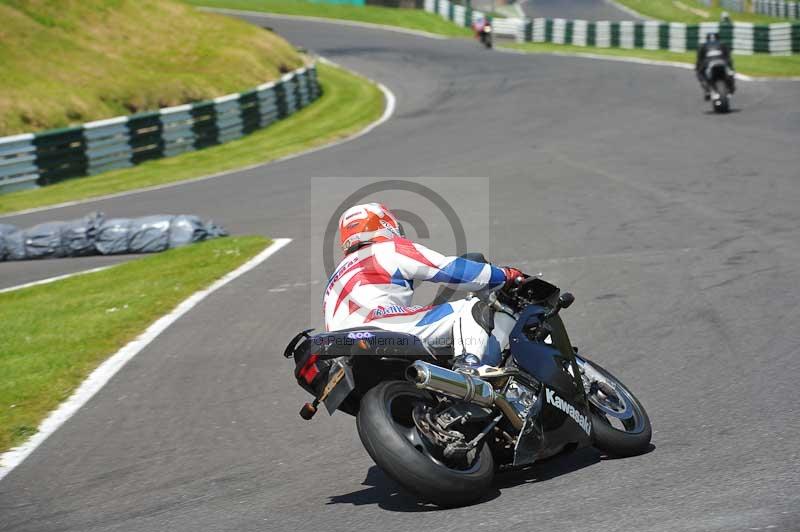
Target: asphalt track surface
x=677 y=230
x=575 y=9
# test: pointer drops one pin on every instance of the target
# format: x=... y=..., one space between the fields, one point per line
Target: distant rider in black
x=713 y=48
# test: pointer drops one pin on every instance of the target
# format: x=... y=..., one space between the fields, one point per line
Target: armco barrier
x=744 y=38
x=44 y=158
x=465 y=16
x=777 y=8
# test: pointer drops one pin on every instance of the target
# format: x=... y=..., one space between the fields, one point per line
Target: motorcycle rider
x=713 y=48
x=374 y=285
x=479 y=24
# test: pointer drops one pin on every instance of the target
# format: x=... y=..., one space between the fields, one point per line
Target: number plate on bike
x=339 y=386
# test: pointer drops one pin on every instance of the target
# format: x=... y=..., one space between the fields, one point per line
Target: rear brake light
x=310 y=370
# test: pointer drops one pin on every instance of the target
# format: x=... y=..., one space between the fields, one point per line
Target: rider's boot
x=472 y=365
x=467 y=363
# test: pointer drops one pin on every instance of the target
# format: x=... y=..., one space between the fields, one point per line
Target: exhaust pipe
x=461 y=386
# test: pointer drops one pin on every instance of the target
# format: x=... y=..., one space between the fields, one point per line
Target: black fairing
x=548 y=428
x=375 y=355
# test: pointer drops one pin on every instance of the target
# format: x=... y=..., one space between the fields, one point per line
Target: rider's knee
x=483 y=315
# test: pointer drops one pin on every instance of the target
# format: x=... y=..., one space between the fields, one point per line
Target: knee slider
x=484 y=316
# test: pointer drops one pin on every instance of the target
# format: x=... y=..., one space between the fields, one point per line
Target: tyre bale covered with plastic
x=6 y=230
x=151 y=234
x=93 y=234
x=74 y=238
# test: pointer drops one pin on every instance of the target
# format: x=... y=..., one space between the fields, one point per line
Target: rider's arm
x=701 y=55
x=415 y=261
x=726 y=53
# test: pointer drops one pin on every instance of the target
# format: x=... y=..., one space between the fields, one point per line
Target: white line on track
x=390 y=104
x=339 y=21
x=105 y=371
x=53 y=279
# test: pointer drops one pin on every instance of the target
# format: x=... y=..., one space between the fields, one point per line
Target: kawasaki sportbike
x=720 y=79
x=441 y=434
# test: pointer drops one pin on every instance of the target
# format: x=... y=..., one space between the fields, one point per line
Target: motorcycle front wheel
x=387 y=430
x=620 y=425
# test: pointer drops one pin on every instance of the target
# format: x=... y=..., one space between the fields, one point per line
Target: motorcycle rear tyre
x=399 y=459
x=724 y=98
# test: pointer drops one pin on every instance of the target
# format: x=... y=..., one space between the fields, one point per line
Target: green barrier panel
x=615 y=35
x=468 y=17
x=638 y=35
x=761 y=38
x=280 y=100
x=692 y=36
x=528 y=30
x=795 y=37
x=591 y=34
x=548 y=30
x=248 y=107
x=298 y=97
x=663 y=36
x=204 y=127
x=316 y=86
x=145 y=136
x=726 y=33
x=568 y=31
x=310 y=85
x=451 y=11
x=60 y=154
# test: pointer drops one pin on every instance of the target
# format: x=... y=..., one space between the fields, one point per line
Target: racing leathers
x=374 y=285
x=708 y=51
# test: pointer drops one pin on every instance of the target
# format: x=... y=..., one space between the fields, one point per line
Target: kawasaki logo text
x=569 y=410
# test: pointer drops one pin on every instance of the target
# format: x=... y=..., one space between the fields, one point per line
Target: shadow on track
x=384 y=492
x=548 y=469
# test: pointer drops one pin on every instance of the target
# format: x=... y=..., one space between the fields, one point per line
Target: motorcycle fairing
x=548 y=429
x=368 y=355
x=716 y=69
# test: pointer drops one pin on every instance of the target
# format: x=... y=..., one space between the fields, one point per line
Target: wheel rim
x=400 y=407
x=611 y=400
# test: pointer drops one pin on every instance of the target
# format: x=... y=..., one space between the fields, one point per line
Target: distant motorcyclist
x=479 y=24
x=483 y=30
x=713 y=48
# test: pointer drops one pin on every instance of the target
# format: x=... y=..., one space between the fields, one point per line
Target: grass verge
x=54 y=335
x=348 y=104
x=413 y=19
x=751 y=65
x=691 y=11
x=69 y=61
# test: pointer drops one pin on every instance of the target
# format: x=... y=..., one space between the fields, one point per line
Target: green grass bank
x=65 y=62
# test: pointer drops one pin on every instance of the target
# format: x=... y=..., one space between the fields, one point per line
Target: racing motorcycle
x=719 y=76
x=486 y=35
x=441 y=434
